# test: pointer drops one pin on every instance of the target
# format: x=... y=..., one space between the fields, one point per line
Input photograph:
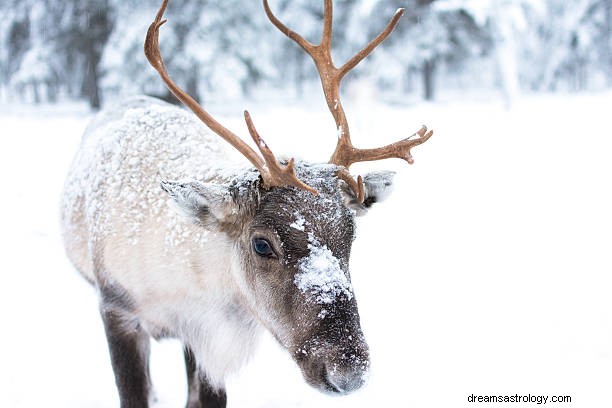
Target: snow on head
x=321 y=275
x=299 y=222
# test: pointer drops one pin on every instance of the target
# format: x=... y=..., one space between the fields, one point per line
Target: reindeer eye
x=262 y=248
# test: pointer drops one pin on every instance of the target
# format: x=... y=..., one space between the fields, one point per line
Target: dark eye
x=262 y=248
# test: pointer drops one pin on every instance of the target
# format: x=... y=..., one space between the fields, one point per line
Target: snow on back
x=321 y=275
x=115 y=176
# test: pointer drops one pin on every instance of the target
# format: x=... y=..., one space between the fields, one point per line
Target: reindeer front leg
x=129 y=346
x=200 y=393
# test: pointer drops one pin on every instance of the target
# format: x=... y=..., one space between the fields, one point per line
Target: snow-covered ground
x=488 y=271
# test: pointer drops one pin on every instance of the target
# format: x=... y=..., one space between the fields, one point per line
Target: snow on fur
x=320 y=274
x=146 y=125
x=299 y=222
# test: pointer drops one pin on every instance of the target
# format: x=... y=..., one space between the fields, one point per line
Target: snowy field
x=488 y=271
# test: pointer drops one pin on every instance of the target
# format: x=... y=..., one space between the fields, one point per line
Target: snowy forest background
x=487 y=272
x=92 y=49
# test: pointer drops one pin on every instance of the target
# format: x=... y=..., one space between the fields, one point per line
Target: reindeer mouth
x=326 y=384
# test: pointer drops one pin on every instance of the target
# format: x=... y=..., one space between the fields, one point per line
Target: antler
x=272 y=172
x=331 y=79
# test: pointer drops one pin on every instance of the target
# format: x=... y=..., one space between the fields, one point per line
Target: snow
x=146 y=139
x=299 y=222
x=487 y=271
x=321 y=275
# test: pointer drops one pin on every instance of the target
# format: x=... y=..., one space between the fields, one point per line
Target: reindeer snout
x=336 y=368
x=348 y=378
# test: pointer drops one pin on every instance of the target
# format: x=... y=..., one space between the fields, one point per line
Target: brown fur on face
x=323 y=338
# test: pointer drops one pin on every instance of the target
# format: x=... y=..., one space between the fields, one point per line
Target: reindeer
x=239 y=250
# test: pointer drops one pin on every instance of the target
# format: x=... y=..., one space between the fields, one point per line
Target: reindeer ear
x=201 y=202
x=378 y=185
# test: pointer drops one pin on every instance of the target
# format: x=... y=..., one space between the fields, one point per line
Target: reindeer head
x=291 y=262
x=293 y=223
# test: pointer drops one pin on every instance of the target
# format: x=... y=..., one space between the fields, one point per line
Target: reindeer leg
x=200 y=393
x=128 y=344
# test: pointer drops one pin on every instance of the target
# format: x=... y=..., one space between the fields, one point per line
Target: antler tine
x=272 y=172
x=400 y=150
x=328 y=24
x=397 y=150
x=301 y=41
x=355 y=185
x=343 y=155
x=367 y=50
x=321 y=55
x=278 y=174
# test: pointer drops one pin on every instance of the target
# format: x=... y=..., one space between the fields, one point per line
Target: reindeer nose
x=346 y=381
x=349 y=375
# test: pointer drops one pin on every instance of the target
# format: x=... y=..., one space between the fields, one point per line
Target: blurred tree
x=431 y=35
x=86 y=34
x=601 y=18
x=53 y=45
x=571 y=46
x=607 y=28
x=78 y=48
x=501 y=22
x=18 y=39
